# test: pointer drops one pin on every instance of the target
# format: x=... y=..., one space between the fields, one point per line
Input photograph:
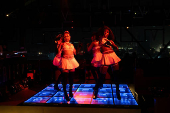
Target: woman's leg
x=94 y=70
x=115 y=70
x=100 y=80
x=64 y=82
x=71 y=76
x=57 y=82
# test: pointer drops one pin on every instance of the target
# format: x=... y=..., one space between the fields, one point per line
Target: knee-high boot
x=71 y=76
x=98 y=85
x=65 y=76
x=57 y=82
x=116 y=81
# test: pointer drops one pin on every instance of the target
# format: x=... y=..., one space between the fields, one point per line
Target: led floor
x=83 y=95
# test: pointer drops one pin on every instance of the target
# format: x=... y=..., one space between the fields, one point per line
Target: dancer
x=97 y=55
x=68 y=63
x=57 y=58
x=109 y=58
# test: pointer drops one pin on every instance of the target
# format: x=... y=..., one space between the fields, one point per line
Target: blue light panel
x=83 y=94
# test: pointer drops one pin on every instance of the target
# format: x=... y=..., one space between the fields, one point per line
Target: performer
x=109 y=58
x=97 y=55
x=57 y=59
x=68 y=63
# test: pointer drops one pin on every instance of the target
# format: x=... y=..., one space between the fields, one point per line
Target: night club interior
x=89 y=56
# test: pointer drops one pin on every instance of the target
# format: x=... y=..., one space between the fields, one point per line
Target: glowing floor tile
x=104 y=95
x=113 y=85
x=106 y=101
x=85 y=90
x=51 y=85
x=106 y=85
x=80 y=101
x=61 y=94
x=83 y=95
x=37 y=100
x=67 y=89
x=124 y=95
x=120 y=86
x=58 y=100
x=45 y=94
x=122 y=90
x=123 y=85
x=87 y=85
x=59 y=85
x=125 y=101
x=128 y=90
x=49 y=88
x=76 y=85
x=105 y=90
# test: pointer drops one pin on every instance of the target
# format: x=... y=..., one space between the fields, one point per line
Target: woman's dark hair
x=101 y=32
x=97 y=35
x=58 y=37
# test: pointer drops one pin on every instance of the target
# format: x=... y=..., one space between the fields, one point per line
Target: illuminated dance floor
x=83 y=95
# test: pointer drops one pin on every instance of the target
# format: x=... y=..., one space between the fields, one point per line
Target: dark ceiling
x=84 y=13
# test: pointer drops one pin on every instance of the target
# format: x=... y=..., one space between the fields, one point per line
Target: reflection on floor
x=83 y=95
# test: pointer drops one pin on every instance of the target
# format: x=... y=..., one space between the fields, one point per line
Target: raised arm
x=60 y=47
x=90 y=47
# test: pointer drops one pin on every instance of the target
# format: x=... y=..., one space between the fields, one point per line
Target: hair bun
x=66 y=32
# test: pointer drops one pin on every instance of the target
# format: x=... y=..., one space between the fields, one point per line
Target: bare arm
x=114 y=45
x=90 y=47
x=60 y=47
x=74 y=51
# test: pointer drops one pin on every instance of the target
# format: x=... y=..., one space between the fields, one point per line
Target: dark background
x=33 y=24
